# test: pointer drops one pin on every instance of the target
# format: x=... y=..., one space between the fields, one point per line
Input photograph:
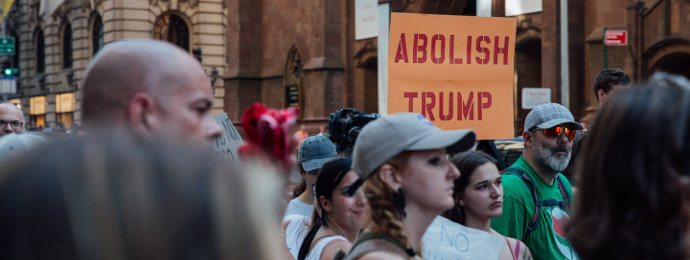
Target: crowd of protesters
x=140 y=181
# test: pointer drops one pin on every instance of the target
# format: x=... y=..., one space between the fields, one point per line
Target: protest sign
x=457 y=71
x=445 y=239
x=226 y=145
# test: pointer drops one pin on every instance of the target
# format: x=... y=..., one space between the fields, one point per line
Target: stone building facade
x=304 y=53
x=57 y=39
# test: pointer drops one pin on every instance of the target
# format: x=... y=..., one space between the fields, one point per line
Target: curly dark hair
x=633 y=201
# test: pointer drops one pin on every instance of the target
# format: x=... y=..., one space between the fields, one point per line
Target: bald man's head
x=11 y=119
x=140 y=84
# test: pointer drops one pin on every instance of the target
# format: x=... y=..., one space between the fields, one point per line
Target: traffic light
x=8 y=69
x=11 y=71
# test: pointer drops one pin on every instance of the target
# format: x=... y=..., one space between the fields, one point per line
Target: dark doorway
x=528 y=69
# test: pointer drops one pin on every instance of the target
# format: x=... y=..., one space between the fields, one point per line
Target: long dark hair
x=329 y=178
x=631 y=202
x=466 y=162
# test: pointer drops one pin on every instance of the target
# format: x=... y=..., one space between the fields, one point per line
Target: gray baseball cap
x=384 y=138
x=17 y=143
x=314 y=152
x=545 y=116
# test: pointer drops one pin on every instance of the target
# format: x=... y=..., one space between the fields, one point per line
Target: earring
x=399 y=201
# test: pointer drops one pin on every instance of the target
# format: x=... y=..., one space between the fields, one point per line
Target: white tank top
x=315 y=253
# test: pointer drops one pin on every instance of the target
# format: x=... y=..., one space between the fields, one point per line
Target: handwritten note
x=447 y=240
x=226 y=145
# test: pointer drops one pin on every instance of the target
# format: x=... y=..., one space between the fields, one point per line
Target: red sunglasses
x=557 y=130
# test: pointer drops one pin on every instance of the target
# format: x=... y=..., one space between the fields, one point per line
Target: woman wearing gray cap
x=408 y=180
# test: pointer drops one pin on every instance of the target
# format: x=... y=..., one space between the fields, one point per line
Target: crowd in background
x=140 y=181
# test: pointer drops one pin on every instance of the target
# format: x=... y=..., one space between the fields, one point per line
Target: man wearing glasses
x=11 y=119
x=536 y=199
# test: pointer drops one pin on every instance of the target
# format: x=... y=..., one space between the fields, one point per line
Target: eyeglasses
x=557 y=130
x=13 y=124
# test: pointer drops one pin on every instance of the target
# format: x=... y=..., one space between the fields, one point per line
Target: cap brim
x=314 y=164
x=454 y=141
x=560 y=121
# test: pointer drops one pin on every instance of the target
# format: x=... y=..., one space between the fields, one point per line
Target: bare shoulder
x=381 y=255
x=332 y=248
x=524 y=253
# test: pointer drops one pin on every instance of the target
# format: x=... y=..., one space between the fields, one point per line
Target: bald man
x=11 y=119
x=153 y=88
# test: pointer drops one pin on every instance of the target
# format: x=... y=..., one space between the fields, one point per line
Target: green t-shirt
x=547 y=241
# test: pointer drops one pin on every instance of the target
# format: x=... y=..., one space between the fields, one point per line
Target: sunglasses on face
x=558 y=130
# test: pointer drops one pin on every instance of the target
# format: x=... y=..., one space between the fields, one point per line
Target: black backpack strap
x=565 y=204
x=527 y=180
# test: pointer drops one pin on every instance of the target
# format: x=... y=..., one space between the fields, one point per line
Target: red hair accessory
x=267 y=134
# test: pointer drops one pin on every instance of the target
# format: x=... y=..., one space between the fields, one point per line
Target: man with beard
x=537 y=196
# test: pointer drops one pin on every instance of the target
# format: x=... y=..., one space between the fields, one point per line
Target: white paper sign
x=515 y=7
x=365 y=19
x=384 y=28
x=445 y=239
x=532 y=97
x=226 y=145
x=484 y=8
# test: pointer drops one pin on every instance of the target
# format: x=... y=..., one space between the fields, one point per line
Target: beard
x=547 y=158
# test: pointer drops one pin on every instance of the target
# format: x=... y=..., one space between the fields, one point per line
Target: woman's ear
x=390 y=176
x=325 y=204
x=459 y=199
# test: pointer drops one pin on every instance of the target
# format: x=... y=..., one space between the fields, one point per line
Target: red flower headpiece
x=267 y=134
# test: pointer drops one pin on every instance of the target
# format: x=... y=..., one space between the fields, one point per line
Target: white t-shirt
x=297 y=207
x=295 y=232
x=315 y=253
x=445 y=239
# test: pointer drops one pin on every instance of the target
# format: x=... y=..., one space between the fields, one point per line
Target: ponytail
x=299 y=189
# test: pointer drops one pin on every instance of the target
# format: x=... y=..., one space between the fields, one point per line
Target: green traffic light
x=8 y=71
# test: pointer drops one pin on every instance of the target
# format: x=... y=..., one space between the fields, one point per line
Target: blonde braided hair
x=386 y=217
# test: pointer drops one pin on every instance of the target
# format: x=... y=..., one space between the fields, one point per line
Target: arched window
x=172 y=28
x=40 y=51
x=96 y=34
x=67 y=46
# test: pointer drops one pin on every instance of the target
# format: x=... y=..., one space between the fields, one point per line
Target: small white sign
x=226 y=145
x=365 y=19
x=514 y=7
x=8 y=85
x=445 y=239
x=484 y=8
x=532 y=97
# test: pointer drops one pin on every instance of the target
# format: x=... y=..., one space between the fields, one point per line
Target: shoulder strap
x=372 y=245
x=535 y=197
x=565 y=205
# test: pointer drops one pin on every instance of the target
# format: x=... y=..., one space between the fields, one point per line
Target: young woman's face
x=348 y=211
x=428 y=180
x=483 y=196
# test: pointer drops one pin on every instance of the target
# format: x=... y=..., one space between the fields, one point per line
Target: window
x=37 y=110
x=97 y=34
x=64 y=108
x=40 y=52
x=67 y=46
x=172 y=28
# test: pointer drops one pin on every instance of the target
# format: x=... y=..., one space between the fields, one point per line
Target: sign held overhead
x=457 y=71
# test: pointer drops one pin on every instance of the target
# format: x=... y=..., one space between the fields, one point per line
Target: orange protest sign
x=457 y=71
